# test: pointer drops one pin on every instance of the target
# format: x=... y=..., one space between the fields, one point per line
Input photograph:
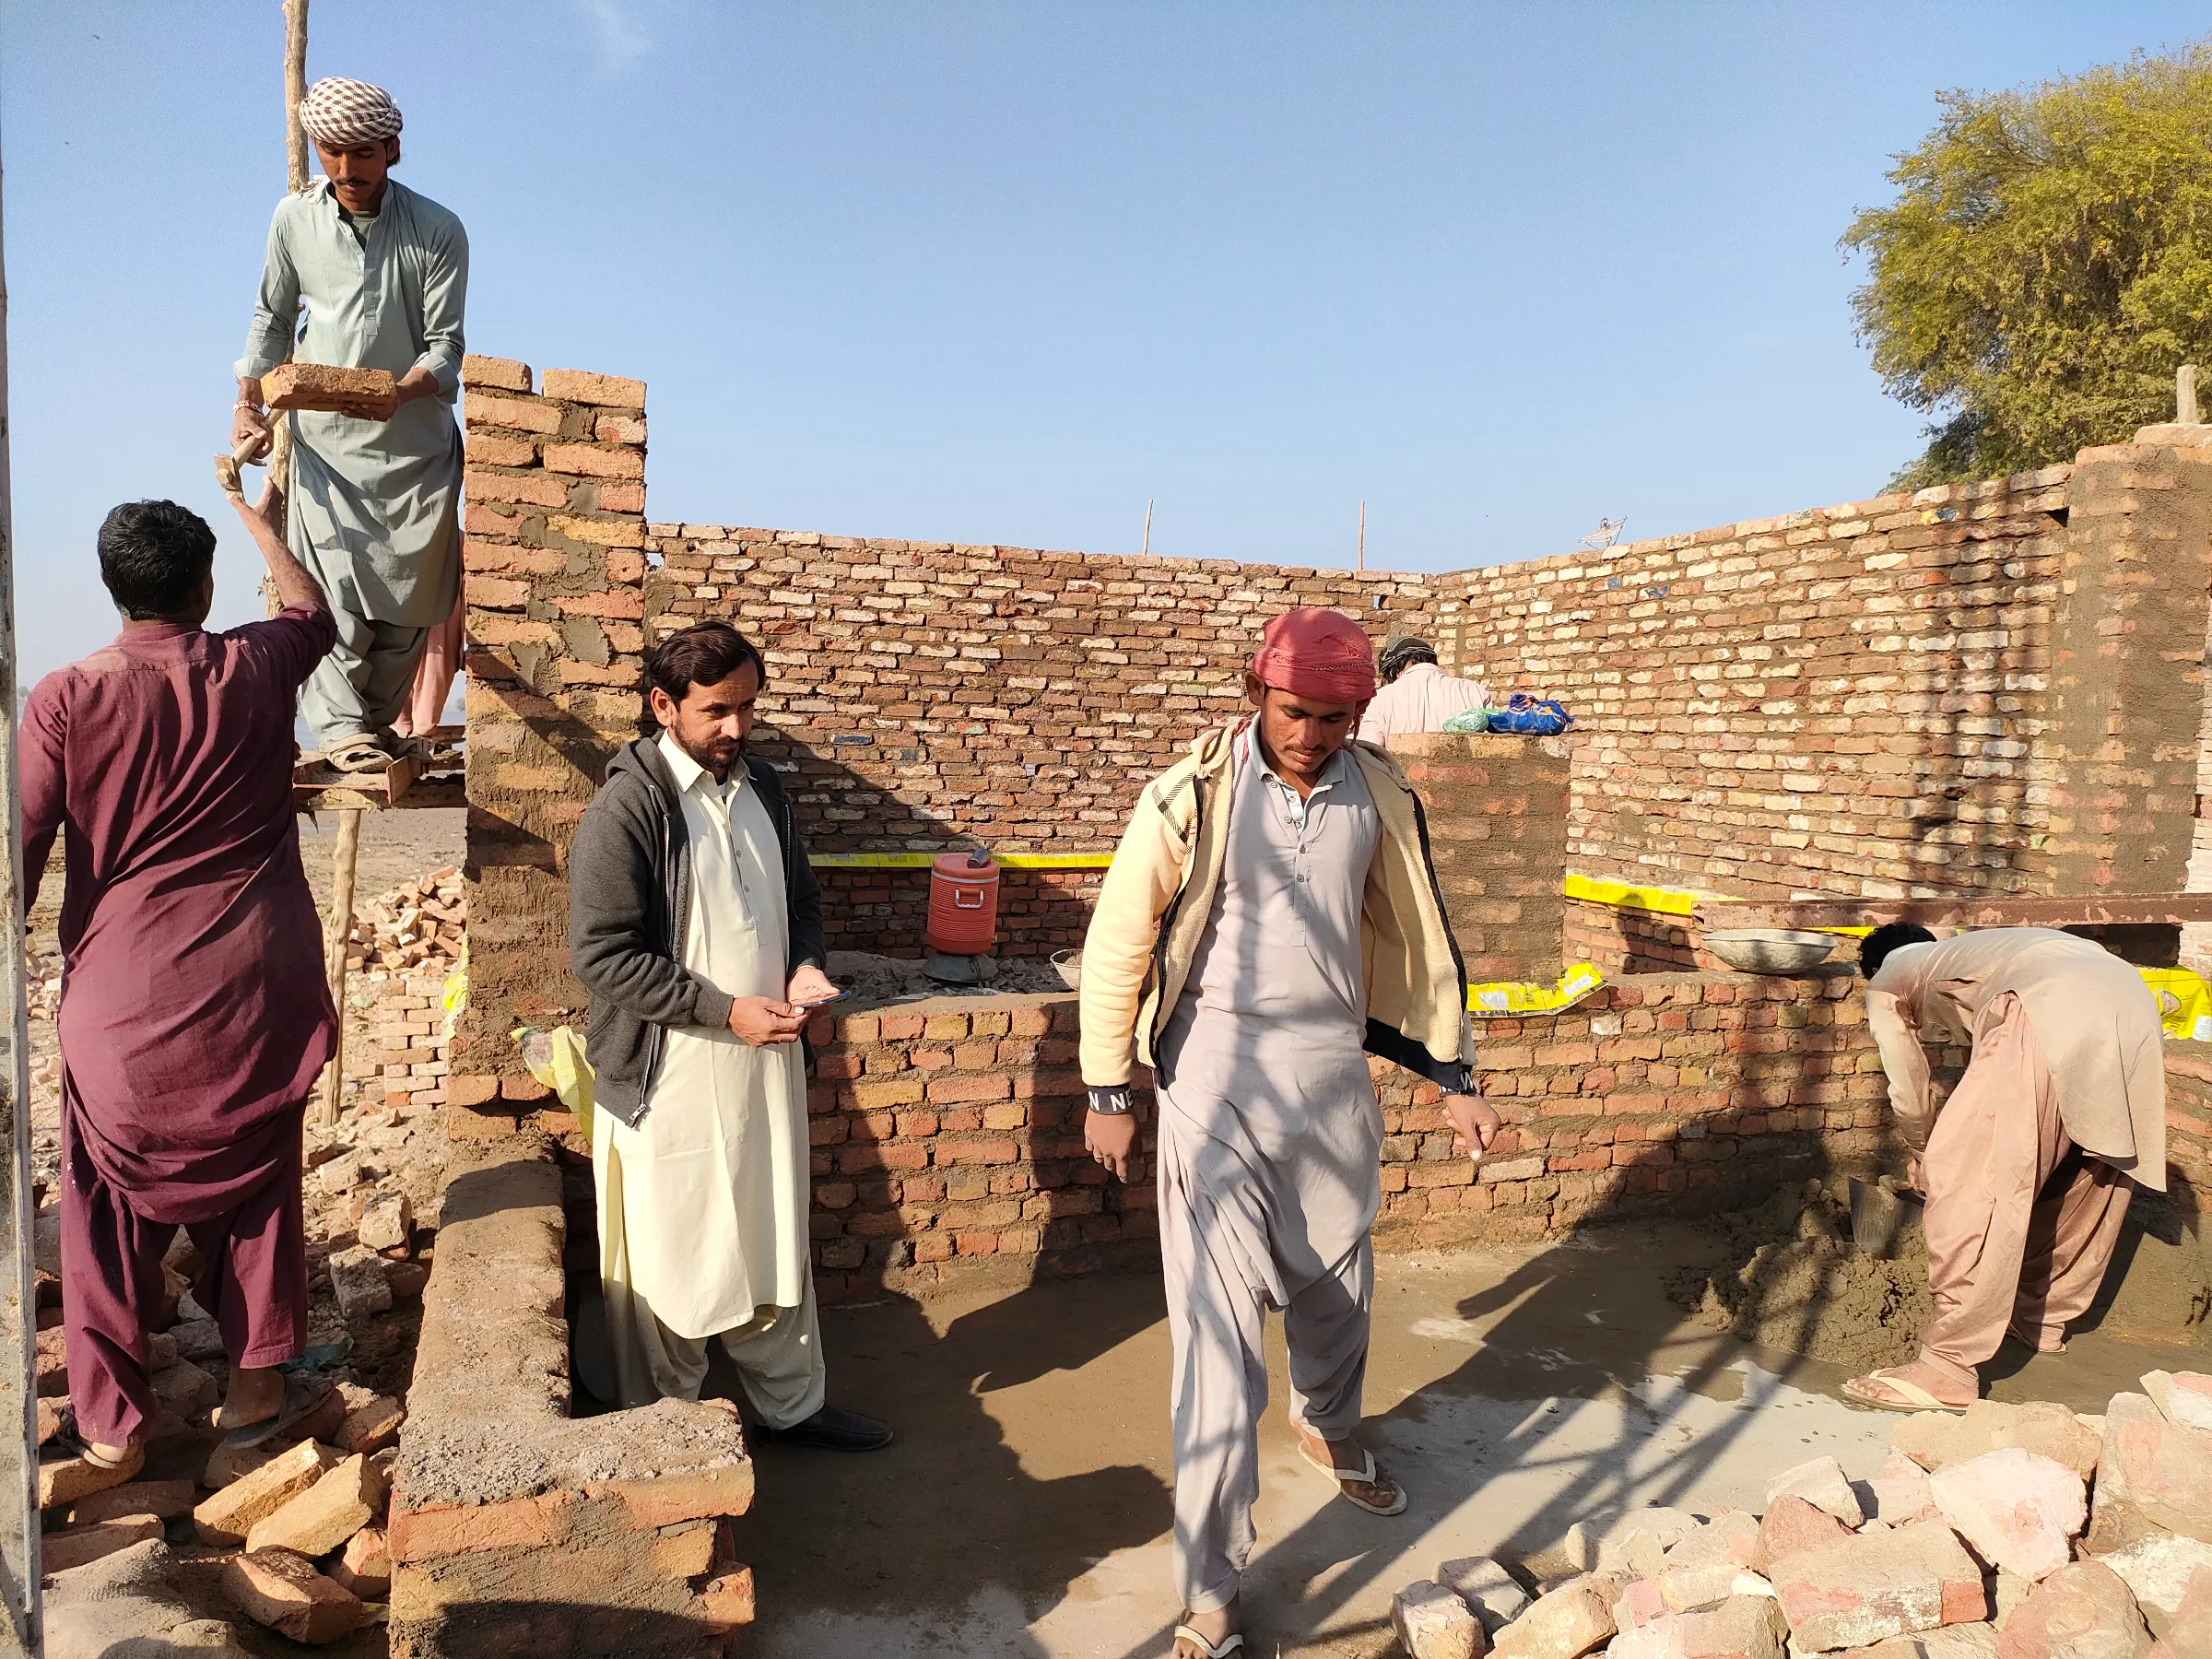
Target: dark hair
x=153 y=555
x=705 y=653
x=1401 y=654
x=1890 y=937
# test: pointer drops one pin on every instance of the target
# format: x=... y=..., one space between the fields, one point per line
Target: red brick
x=584 y=460
x=425 y=1535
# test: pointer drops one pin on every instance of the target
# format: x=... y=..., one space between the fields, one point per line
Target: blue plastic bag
x=1530 y=718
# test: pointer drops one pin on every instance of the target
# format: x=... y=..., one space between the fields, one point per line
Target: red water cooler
x=963 y=905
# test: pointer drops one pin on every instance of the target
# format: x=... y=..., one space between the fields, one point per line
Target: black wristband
x=1111 y=1103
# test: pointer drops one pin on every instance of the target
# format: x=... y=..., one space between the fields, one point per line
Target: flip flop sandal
x=69 y=1444
x=1363 y=1477
x=301 y=1398
x=357 y=755
x=1231 y=1643
x=1910 y=1395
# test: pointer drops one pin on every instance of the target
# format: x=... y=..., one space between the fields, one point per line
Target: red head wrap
x=1319 y=654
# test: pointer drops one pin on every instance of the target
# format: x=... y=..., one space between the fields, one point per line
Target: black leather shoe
x=830 y=1429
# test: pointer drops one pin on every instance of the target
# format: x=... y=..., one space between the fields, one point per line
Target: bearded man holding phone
x=695 y=922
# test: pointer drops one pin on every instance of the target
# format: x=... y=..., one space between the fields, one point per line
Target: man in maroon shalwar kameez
x=194 y=1014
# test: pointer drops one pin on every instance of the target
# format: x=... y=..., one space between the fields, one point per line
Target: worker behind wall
x=375 y=497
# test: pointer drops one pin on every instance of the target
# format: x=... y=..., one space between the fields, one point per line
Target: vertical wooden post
x=1362 y=564
x=1147 y=526
x=295 y=161
x=337 y=946
x=21 y=1627
x=2184 y=395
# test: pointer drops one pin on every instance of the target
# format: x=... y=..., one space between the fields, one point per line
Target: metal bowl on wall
x=1770 y=949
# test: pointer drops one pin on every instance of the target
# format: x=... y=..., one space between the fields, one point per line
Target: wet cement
x=1024 y=1510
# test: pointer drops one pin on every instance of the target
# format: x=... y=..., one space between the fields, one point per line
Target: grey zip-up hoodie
x=629 y=902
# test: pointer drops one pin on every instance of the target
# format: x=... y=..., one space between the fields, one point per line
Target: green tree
x=2046 y=265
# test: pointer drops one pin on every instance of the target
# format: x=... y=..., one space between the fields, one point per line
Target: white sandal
x=1362 y=1476
x=1231 y=1643
x=1911 y=1397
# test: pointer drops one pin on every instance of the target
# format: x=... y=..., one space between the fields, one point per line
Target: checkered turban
x=339 y=114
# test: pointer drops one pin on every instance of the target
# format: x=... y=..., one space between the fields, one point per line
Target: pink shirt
x=1420 y=699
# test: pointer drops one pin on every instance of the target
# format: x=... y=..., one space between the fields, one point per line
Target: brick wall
x=2127 y=702
x=1497 y=812
x=948 y=1137
x=928 y=696
x=1842 y=700
x=554 y=569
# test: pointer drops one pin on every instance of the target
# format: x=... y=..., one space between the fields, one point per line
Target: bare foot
x=1216 y=1627
x=1382 y=1492
x=255 y=1396
x=1901 y=1388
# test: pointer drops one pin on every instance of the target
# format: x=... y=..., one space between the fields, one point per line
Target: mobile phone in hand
x=823 y=1002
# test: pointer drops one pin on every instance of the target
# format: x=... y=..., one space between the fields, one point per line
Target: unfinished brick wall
x=2127 y=703
x=1843 y=699
x=948 y=1138
x=554 y=571
x=927 y=696
x=1497 y=812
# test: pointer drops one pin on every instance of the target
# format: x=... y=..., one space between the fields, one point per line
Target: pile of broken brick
x=2007 y=1531
x=296 y=1523
x=292 y=1527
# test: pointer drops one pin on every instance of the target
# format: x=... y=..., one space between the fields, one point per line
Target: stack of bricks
x=1842 y=700
x=931 y=696
x=1497 y=815
x=555 y=565
x=402 y=1062
x=947 y=1143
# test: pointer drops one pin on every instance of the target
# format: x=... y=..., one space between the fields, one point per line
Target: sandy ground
x=1024 y=1511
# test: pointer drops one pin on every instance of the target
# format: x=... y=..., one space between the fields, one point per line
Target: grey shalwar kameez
x=376 y=506
x=1269 y=1136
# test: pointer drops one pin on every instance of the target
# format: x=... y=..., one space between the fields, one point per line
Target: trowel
x=1878 y=1213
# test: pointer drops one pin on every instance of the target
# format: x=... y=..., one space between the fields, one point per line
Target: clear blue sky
x=1001 y=272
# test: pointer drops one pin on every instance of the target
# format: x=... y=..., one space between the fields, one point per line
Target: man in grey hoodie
x=695 y=923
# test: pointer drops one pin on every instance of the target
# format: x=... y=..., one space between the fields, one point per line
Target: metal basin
x=1069 y=965
x=1770 y=949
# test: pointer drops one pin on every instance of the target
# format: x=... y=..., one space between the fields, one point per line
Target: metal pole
x=1147 y=526
x=23 y=1631
x=345 y=858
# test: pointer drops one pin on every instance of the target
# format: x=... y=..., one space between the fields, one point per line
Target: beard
x=717 y=754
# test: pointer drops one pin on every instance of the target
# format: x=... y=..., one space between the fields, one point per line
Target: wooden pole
x=22 y=1629
x=1148 y=524
x=1362 y=565
x=295 y=172
x=2184 y=395
x=343 y=860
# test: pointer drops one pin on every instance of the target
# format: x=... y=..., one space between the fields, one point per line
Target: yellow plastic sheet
x=1523 y=997
x=455 y=996
x=2184 y=1001
x=556 y=1058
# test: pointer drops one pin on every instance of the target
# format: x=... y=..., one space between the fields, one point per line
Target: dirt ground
x=1023 y=1513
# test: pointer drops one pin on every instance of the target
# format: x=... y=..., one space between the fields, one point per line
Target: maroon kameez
x=194 y=1016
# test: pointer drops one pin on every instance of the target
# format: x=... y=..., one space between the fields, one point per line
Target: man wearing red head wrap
x=1271 y=918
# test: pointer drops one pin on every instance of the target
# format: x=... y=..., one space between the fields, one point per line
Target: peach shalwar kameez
x=2029 y=1165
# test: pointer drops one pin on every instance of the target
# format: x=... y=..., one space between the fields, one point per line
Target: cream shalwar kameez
x=1270 y=1139
x=702 y=1206
x=2029 y=1165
